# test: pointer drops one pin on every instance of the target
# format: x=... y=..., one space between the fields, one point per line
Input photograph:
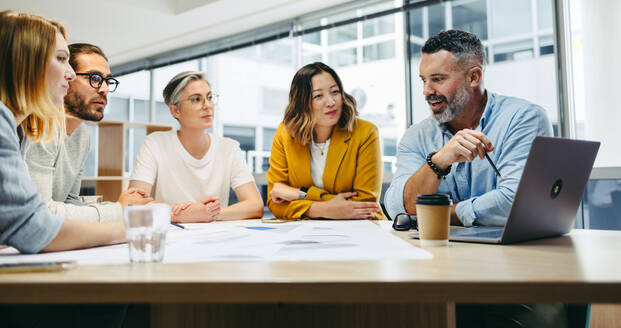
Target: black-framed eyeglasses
x=404 y=222
x=96 y=80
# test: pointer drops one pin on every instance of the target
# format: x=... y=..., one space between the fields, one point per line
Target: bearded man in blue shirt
x=445 y=153
x=467 y=122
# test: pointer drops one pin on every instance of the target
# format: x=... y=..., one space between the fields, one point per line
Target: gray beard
x=454 y=108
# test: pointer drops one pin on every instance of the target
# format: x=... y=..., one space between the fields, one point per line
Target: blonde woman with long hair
x=325 y=161
x=34 y=78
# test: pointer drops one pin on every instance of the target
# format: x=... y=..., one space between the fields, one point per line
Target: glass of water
x=145 y=229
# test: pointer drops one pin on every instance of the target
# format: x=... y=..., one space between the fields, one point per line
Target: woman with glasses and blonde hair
x=325 y=161
x=193 y=170
x=34 y=78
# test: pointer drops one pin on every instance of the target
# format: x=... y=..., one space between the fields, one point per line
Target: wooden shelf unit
x=110 y=181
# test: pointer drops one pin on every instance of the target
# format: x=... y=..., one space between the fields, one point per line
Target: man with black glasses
x=57 y=167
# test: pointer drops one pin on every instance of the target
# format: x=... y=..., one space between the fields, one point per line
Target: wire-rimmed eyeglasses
x=96 y=80
x=198 y=101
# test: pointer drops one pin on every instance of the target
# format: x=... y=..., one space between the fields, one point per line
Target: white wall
x=601 y=45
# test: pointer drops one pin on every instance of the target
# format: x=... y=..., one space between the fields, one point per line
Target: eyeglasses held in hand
x=198 y=101
x=404 y=222
x=96 y=80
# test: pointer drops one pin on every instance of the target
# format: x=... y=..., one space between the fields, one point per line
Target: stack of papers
x=254 y=241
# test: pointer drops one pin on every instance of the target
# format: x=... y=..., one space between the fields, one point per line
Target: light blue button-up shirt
x=511 y=124
x=25 y=221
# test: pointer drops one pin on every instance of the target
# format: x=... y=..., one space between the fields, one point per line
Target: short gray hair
x=172 y=91
x=465 y=46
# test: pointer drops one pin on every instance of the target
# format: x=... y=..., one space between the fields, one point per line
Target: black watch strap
x=440 y=173
x=304 y=189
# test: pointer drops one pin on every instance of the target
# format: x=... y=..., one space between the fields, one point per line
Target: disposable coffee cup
x=145 y=229
x=433 y=212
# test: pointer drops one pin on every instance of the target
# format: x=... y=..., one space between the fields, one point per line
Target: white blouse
x=318 y=154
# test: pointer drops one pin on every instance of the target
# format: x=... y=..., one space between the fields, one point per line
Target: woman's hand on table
x=342 y=209
x=204 y=210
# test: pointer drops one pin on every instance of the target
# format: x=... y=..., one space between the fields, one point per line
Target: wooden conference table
x=582 y=267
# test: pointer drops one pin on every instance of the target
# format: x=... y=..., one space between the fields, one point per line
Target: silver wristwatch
x=302 y=193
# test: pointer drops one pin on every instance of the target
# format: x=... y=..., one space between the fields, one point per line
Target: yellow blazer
x=354 y=163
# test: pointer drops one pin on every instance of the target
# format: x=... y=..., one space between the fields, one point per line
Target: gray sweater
x=57 y=168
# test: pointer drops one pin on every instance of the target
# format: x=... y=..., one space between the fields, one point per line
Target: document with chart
x=251 y=240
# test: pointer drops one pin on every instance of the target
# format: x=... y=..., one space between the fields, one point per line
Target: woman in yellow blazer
x=325 y=162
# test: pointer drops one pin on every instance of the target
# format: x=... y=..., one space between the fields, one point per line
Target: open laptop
x=547 y=197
